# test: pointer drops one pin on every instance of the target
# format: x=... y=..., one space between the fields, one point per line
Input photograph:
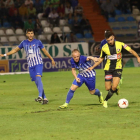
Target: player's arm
x=75 y=75
x=100 y=60
x=132 y=52
x=11 y=52
x=48 y=55
x=95 y=59
x=135 y=54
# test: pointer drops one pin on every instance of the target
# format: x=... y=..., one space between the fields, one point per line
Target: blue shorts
x=89 y=82
x=35 y=70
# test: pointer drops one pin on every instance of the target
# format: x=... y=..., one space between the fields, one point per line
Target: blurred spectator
x=16 y=21
x=23 y=11
x=68 y=10
x=28 y=2
x=31 y=11
x=61 y=11
x=134 y=3
x=85 y=25
x=55 y=38
x=55 y=3
x=63 y=38
x=18 y=3
x=2 y=2
x=46 y=4
x=12 y=10
x=38 y=6
x=9 y=3
x=76 y=26
x=74 y=3
x=28 y=24
x=72 y=38
x=3 y=14
x=116 y=4
x=47 y=11
x=38 y=27
x=54 y=18
x=108 y=9
x=79 y=10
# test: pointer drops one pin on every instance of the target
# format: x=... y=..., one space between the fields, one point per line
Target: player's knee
x=114 y=88
x=107 y=88
x=38 y=75
x=92 y=92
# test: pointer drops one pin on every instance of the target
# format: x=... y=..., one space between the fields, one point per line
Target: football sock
x=39 y=86
x=69 y=95
x=97 y=92
x=43 y=95
x=110 y=94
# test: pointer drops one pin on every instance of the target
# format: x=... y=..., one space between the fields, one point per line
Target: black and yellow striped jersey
x=113 y=55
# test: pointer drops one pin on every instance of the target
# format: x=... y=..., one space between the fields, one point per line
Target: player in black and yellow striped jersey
x=112 y=50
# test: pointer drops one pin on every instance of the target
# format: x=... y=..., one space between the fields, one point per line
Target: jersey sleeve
x=125 y=47
x=102 y=54
x=101 y=45
x=21 y=45
x=72 y=64
x=40 y=45
x=84 y=58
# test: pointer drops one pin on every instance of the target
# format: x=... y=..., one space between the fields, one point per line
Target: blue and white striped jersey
x=82 y=66
x=32 y=51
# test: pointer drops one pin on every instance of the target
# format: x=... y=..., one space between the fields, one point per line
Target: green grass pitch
x=21 y=118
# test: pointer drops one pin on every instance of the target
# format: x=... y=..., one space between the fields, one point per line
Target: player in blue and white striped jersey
x=82 y=63
x=32 y=47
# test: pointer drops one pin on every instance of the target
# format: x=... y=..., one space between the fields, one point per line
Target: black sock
x=110 y=94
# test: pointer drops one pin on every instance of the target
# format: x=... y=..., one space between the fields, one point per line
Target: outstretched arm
x=11 y=52
x=48 y=55
x=95 y=59
x=135 y=54
x=100 y=60
x=74 y=74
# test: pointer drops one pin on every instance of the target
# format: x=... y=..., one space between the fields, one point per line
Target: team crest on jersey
x=118 y=50
x=34 y=45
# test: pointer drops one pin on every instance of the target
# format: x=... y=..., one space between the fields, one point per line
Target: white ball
x=123 y=103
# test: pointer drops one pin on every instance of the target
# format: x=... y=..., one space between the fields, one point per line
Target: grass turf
x=21 y=118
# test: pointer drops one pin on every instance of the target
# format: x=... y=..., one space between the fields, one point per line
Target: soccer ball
x=123 y=103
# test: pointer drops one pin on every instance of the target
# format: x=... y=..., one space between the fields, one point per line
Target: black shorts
x=109 y=74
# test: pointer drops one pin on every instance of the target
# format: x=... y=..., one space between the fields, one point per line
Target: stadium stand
x=86 y=16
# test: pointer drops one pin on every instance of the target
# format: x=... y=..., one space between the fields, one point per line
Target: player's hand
x=1 y=55
x=78 y=80
x=90 y=68
x=53 y=62
x=138 y=59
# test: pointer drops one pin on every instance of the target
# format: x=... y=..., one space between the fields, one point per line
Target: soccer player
x=81 y=63
x=32 y=47
x=103 y=42
x=113 y=67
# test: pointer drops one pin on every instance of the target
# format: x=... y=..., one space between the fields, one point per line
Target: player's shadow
x=90 y=104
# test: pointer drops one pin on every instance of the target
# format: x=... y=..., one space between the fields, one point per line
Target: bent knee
x=107 y=88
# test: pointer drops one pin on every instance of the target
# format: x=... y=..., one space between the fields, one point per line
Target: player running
x=88 y=77
x=112 y=50
x=103 y=42
x=32 y=47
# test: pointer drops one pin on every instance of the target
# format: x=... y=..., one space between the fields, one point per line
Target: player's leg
x=108 y=84
x=33 y=78
x=116 y=78
x=70 y=93
x=38 y=81
x=90 y=83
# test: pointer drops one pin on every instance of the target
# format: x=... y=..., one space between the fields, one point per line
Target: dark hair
x=29 y=30
x=108 y=33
